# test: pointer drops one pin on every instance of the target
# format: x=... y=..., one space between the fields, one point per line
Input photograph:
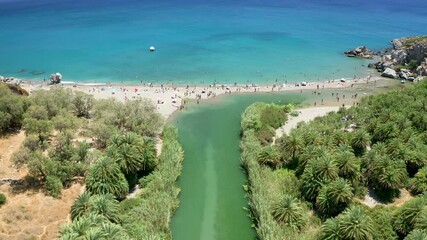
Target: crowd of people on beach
x=175 y=96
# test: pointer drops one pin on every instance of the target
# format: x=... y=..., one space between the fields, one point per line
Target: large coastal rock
x=390 y=73
x=360 y=52
x=407 y=57
x=55 y=78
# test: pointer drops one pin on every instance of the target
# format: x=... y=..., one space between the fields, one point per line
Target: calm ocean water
x=198 y=40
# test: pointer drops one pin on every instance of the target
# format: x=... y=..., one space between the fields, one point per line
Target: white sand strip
x=305 y=115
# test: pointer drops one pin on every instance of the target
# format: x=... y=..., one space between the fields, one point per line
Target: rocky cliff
x=406 y=59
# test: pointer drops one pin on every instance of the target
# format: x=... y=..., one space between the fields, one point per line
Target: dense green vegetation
x=96 y=212
x=412 y=40
x=12 y=107
x=148 y=215
x=311 y=182
x=108 y=145
x=67 y=131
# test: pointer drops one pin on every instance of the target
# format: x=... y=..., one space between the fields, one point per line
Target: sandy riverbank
x=169 y=98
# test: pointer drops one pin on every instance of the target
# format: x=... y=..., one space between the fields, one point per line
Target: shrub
x=2 y=199
x=265 y=136
x=12 y=108
x=32 y=142
x=53 y=186
x=82 y=104
x=273 y=115
x=413 y=64
x=21 y=156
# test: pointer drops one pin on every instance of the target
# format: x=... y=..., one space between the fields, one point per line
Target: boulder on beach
x=390 y=73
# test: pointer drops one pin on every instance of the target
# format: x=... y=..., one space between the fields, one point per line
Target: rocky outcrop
x=360 y=52
x=11 y=80
x=55 y=78
x=12 y=181
x=407 y=57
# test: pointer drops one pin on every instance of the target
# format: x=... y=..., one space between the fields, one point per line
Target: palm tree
x=105 y=177
x=347 y=163
x=106 y=206
x=405 y=218
x=133 y=152
x=387 y=175
x=113 y=231
x=311 y=137
x=419 y=182
x=360 y=141
x=310 y=152
x=76 y=228
x=318 y=171
x=340 y=137
x=355 y=224
x=421 y=220
x=293 y=144
x=80 y=206
x=334 y=197
x=269 y=155
x=325 y=168
x=392 y=176
x=331 y=230
x=94 y=234
x=402 y=122
x=417 y=234
x=310 y=184
x=290 y=212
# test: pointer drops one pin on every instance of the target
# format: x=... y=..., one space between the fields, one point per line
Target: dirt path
x=8 y=145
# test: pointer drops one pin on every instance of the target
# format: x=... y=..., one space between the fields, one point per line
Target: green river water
x=212 y=198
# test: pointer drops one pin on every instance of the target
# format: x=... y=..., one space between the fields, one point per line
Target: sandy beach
x=169 y=98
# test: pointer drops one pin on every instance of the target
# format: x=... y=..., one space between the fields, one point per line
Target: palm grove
x=310 y=184
x=111 y=146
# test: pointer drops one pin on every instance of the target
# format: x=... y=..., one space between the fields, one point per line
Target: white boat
x=152 y=49
x=402 y=81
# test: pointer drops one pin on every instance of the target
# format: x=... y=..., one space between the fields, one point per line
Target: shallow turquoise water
x=198 y=40
x=212 y=196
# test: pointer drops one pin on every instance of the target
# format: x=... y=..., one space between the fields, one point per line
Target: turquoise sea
x=198 y=40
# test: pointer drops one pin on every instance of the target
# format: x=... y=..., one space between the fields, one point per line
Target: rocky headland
x=406 y=59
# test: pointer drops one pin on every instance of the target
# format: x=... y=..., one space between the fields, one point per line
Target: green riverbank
x=212 y=198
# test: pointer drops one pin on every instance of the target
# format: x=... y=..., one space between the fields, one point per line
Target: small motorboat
x=402 y=81
x=152 y=49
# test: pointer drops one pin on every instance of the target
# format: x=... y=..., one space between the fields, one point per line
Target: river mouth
x=212 y=198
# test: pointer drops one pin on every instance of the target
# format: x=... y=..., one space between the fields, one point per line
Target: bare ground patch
x=28 y=213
